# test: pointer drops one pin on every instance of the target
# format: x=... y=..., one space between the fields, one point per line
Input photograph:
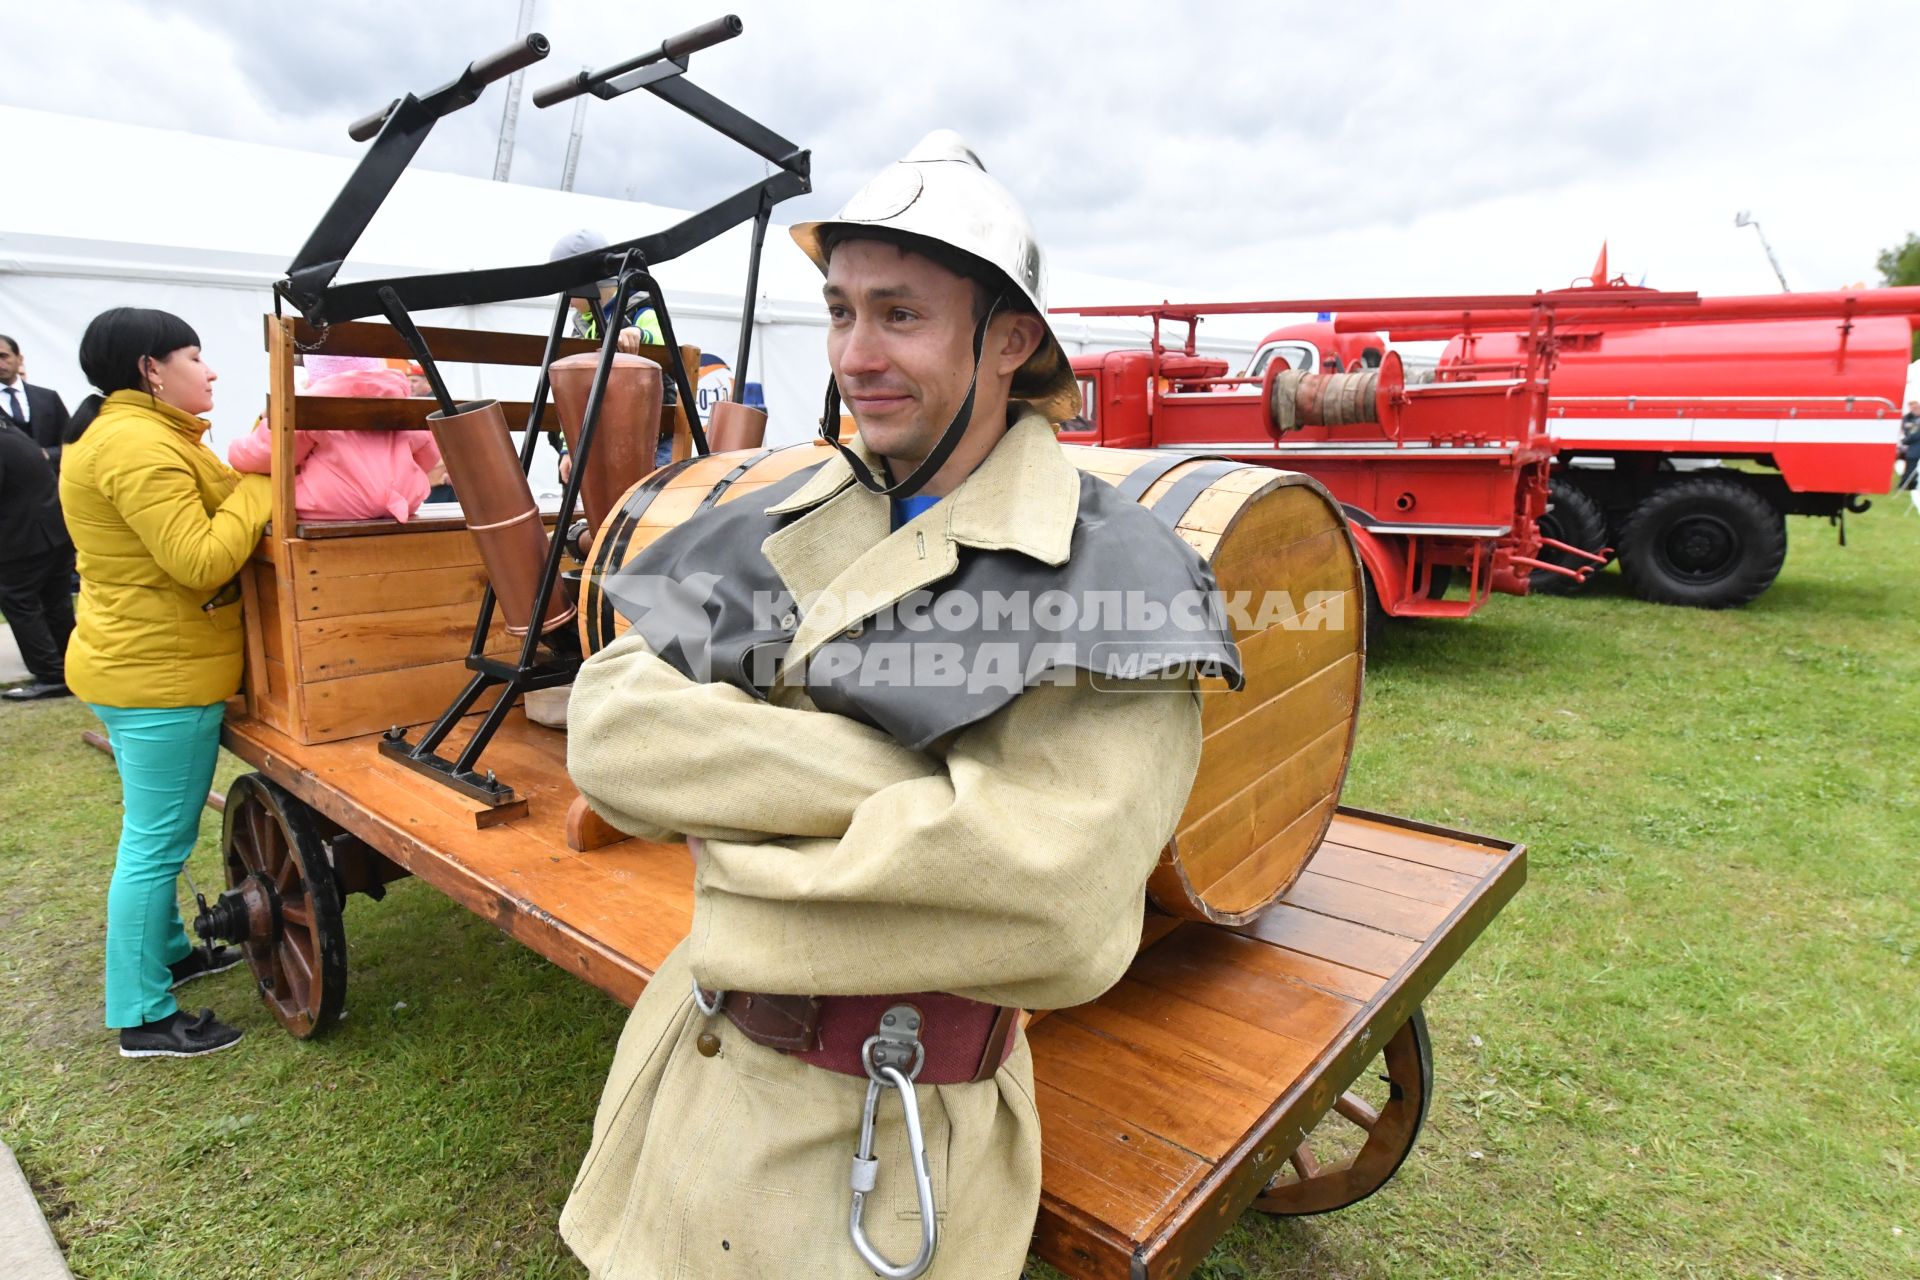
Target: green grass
x=1690 y=1047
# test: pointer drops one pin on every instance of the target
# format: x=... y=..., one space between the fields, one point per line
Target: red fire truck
x=1683 y=436
x=1442 y=483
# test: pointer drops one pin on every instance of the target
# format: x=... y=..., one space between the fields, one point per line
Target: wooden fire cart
x=1281 y=1063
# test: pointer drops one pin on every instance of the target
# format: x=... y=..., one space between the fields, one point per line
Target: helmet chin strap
x=942 y=449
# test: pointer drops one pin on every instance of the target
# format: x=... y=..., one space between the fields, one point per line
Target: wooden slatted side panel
x=453 y=346
x=380 y=629
x=269 y=694
x=1222 y=1046
x=377 y=413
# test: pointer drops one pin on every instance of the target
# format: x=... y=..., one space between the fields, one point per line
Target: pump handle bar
x=704 y=36
x=460 y=92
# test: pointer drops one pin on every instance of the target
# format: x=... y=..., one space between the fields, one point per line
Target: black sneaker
x=201 y=962
x=178 y=1036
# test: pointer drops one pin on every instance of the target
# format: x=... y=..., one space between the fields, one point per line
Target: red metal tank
x=1779 y=391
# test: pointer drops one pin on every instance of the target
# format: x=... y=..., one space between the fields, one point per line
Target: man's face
x=9 y=363
x=900 y=340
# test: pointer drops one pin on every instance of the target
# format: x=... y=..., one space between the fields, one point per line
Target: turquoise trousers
x=165 y=756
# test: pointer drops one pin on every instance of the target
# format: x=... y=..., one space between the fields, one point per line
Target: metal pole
x=510 y=117
x=747 y=301
x=573 y=139
x=1772 y=261
x=1746 y=219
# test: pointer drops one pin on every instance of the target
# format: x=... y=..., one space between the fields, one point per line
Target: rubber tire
x=1374 y=625
x=1755 y=527
x=1572 y=516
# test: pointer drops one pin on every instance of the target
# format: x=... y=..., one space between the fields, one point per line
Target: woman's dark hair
x=82 y=418
x=117 y=341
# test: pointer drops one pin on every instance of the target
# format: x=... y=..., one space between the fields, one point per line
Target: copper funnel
x=500 y=510
x=629 y=430
x=735 y=426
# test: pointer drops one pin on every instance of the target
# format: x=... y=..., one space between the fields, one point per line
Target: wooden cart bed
x=1167 y=1105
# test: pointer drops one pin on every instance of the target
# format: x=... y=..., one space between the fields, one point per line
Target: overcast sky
x=1230 y=150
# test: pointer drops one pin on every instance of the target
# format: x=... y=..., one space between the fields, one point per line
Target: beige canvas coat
x=1006 y=865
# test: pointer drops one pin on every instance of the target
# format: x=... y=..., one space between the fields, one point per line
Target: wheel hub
x=1701 y=548
x=247 y=913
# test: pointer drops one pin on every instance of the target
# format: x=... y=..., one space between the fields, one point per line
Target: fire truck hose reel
x=1297 y=399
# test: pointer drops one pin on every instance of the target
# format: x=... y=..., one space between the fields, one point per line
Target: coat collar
x=142 y=403
x=843 y=565
x=1025 y=496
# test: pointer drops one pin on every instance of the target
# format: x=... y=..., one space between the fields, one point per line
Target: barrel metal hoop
x=726 y=482
x=1142 y=477
x=600 y=615
x=1173 y=505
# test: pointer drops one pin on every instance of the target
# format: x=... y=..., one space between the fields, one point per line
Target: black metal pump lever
x=672 y=49
x=464 y=89
x=401 y=129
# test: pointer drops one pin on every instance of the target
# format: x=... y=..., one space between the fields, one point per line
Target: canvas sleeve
x=661 y=756
x=1015 y=875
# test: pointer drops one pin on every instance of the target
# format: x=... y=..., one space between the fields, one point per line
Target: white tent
x=94 y=236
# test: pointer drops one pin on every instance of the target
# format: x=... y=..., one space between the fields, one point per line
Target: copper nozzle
x=629 y=430
x=500 y=510
x=735 y=426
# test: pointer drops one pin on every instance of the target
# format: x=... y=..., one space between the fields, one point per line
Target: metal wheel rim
x=1700 y=548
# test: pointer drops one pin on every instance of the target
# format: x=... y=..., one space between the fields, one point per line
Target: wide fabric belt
x=966 y=1040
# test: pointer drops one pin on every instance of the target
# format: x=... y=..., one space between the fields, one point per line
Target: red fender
x=1386 y=566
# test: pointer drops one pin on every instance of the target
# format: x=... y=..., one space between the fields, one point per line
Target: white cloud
x=1229 y=149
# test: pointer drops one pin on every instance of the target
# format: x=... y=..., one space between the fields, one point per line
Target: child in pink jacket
x=351 y=475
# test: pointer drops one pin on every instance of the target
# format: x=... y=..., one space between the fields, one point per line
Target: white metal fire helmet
x=942 y=191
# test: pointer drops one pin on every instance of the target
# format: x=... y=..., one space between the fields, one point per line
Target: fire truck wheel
x=1574 y=517
x=1375 y=622
x=1709 y=543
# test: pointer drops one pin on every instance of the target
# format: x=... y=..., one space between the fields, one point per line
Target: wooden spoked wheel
x=1363 y=1141
x=293 y=938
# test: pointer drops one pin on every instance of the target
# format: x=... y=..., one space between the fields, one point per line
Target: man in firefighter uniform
x=828 y=1078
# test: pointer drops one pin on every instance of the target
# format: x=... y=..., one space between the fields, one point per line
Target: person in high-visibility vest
x=642 y=328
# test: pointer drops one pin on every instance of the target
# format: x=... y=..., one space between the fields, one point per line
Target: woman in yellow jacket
x=161 y=527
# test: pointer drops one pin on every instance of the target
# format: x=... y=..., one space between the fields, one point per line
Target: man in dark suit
x=36 y=564
x=35 y=410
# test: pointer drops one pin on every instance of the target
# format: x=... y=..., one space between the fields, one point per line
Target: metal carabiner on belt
x=895 y=1045
x=707 y=1004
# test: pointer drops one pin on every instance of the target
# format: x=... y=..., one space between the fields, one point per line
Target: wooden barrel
x=1274 y=754
x=662 y=501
